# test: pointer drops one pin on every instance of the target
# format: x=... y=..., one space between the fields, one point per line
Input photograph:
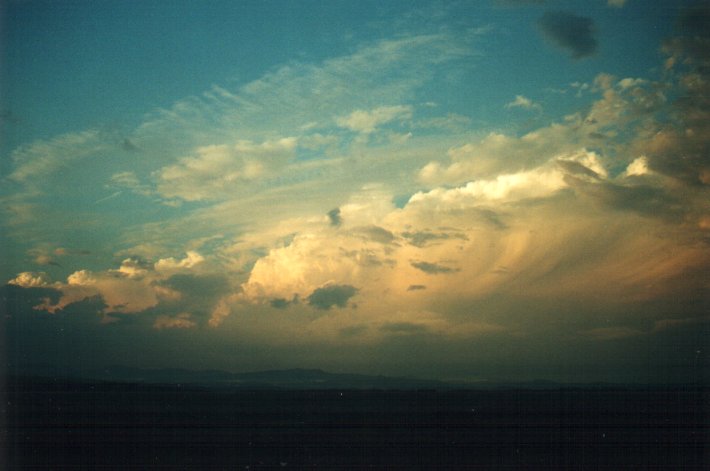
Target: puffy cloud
x=29 y=280
x=638 y=167
x=534 y=183
x=136 y=286
x=171 y=265
x=120 y=293
x=569 y=31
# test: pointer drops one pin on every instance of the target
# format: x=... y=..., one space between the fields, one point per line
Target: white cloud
x=219 y=169
x=367 y=121
x=507 y=187
x=638 y=167
x=29 y=280
x=523 y=102
x=42 y=158
x=171 y=265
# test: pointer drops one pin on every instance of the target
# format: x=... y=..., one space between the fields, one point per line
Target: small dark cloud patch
x=129 y=146
x=416 y=287
x=404 y=328
x=353 y=330
x=492 y=218
x=331 y=295
x=643 y=199
x=334 y=216
x=575 y=168
x=377 y=234
x=423 y=238
x=569 y=31
x=433 y=268
x=280 y=303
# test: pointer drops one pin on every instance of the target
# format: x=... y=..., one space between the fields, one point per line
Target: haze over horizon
x=483 y=190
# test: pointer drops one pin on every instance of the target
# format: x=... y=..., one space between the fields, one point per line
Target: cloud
x=135 y=287
x=638 y=167
x=179 y=321
x=171 y=265
x=217 y=169
x=29 y=280
x=569 y=31
x=280 y=303
x=42 y=158
x=404 y=328
x=424 y=238
x=523 y=102
x=433 y=268
x=129 y=181
x=367 y=121
x=512 y=239
x=334 y=217
x=331 y=295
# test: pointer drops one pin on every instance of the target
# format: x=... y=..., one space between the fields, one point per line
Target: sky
x=475 y=191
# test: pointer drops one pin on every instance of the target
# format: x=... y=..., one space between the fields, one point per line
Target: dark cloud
x=279 y=303
x=198 y=294
x=404 y=328
x=129 y=146
x=682 y=149
x=331 y=295
x=695 y=21
x=416 y=287
x=575 y=168
x=353 y=330
x=640 y=198
x=376 y=234
x=569 y=31
x=433 y=268
x=423 y=238
x=15 y=300
x=334 y=216
x=202 y=287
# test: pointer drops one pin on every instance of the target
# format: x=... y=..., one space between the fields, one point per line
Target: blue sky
x=471 y=190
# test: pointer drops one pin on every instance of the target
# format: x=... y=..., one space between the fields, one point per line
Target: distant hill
x=272 y=379
x=298 y=378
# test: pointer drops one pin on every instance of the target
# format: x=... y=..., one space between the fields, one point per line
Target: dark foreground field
x=94 y=426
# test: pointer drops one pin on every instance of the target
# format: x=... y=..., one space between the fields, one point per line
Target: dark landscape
x=74 y=424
